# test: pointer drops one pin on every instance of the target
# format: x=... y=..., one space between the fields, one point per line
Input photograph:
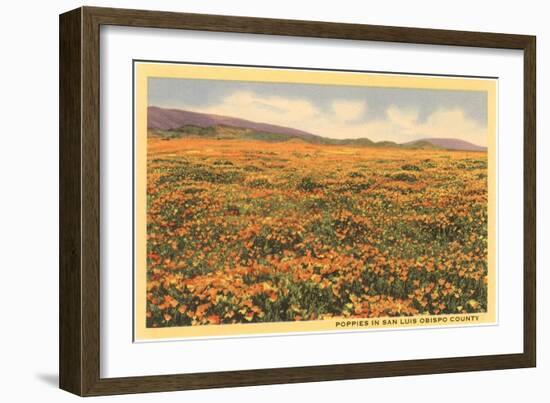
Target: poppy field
x=244 y=231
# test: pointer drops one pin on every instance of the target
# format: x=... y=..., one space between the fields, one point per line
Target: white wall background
x=29 y=198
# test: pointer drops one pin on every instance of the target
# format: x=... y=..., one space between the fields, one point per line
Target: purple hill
x=171 y=119
x=453 y=144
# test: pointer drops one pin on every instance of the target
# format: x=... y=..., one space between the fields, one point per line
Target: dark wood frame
x=80 y=184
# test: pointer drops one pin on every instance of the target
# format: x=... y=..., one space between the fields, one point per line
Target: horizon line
x=308 y=132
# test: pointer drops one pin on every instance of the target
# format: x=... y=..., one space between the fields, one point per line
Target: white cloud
x=348 y=110
x=272 y=109
x=342 y=121
x=403 y=126
x=404 y=119
x=454 y=123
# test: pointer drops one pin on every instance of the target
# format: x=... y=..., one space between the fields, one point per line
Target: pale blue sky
x=396 y=114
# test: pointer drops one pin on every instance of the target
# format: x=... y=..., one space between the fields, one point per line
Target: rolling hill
x=172 y=119
x=451 y=144
x=176 y=123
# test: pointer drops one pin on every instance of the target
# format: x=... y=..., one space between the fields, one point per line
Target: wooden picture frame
x=79 y=348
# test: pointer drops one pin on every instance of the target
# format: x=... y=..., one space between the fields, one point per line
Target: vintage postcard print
x=277 y=200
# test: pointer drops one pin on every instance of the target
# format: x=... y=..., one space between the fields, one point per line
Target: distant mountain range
x=173 y=123
x=452 y=144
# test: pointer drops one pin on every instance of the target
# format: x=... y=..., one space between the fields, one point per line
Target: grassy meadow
x=242 y=231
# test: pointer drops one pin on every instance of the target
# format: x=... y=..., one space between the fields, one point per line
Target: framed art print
x=246 y=227
x=239 y=193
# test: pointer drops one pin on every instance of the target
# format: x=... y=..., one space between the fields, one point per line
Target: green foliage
x=404 y=176
x=410 y=167
x=308 y=184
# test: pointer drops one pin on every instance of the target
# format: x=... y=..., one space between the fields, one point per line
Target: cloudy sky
x=396 y=114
